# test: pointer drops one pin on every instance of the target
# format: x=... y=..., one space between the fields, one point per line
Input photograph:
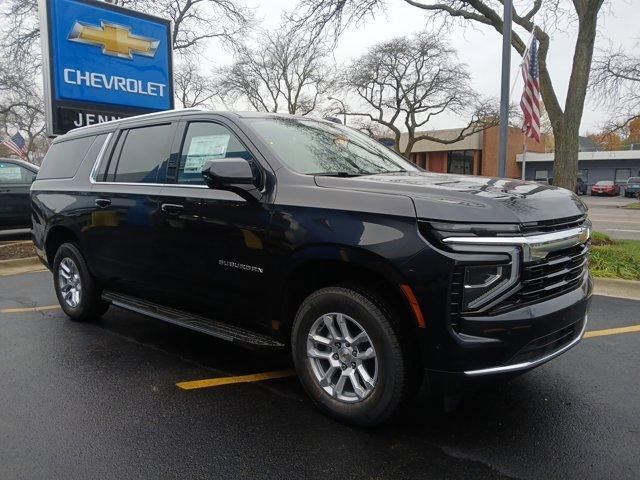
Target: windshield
x=604 y=183
x=633 y=180
x=321 y=148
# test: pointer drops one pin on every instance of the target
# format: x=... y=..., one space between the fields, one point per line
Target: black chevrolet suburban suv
x=284 y=232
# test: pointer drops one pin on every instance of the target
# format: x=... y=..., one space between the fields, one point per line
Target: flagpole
x=504 y=88
x=524 y=155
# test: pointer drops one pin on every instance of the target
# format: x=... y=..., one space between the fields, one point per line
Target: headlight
x=482 y=283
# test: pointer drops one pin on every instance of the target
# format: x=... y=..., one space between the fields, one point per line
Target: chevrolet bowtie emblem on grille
x=115 y=40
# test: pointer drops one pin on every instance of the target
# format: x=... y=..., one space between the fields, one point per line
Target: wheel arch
x=56 y=236
x=321 y=266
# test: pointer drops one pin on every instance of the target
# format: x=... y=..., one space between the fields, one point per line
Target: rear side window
x=10 y=173
x=145 y=151
x=63 y=158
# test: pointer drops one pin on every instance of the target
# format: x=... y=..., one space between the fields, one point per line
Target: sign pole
x=504 y=91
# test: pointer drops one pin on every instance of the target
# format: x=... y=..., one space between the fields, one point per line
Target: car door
x=15 y=206
x=215 y=242
x=126 y=193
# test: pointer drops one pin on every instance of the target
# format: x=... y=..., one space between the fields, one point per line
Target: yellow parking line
x=29 y=309
x=612 y=331
x=258 y=377
x=216 y=382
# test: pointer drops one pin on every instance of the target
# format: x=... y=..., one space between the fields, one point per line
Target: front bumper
x=509 y=342
x=521 y=331
x=534 y=362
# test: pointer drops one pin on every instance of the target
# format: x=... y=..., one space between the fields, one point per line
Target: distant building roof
x=472 y=142
x=604 y=155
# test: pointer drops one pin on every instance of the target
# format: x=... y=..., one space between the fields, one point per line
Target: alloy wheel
x=342 y=357
x=69 y=282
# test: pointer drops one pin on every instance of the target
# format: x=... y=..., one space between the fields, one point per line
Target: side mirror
x=234 y=175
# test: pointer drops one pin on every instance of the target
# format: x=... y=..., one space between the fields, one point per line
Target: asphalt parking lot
x=608 y=216
x=100 y=400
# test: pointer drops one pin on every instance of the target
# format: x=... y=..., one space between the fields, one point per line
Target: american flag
x=530 y=101
x=17 y=145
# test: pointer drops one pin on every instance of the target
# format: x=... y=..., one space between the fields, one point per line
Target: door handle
x=172 y=208
x=102 y=202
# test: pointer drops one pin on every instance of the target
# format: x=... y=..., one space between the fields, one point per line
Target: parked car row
x=602 y=187
x=610 y=188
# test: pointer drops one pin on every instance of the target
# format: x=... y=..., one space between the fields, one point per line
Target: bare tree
x=319 y=15
x=284 y=72
x=196 y=21
x=616 y=85
x=22 y=107
x=373 y=129
x=405 y=82
x=192 y=88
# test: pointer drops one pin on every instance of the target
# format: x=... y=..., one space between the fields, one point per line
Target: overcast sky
x=479 y=48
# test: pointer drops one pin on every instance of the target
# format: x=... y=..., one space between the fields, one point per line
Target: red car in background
x=605 y=187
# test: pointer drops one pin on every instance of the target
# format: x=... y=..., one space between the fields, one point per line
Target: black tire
x=398 y=370
x=90 y=305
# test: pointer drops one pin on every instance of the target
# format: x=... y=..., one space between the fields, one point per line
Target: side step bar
x=224 y=331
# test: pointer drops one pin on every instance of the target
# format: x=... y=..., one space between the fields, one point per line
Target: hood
x=468 y=198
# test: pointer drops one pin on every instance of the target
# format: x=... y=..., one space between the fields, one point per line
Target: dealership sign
x=103 y=62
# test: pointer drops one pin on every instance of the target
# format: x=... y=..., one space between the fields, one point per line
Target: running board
x=224 y=331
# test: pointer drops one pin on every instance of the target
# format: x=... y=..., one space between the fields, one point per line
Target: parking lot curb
x=614 y=287
x=20 y=265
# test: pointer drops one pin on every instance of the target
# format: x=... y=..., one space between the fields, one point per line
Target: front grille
x=562 y=271
x=543 y=346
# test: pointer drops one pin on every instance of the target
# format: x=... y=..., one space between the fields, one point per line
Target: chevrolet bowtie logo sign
x=115 y=40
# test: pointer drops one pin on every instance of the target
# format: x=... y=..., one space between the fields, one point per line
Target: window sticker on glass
x=10 y=172
x=203 y=149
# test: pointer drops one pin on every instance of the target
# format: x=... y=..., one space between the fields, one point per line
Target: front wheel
x=76 y=289
x=352 y=357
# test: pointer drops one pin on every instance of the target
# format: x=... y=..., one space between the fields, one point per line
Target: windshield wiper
x=337 y=174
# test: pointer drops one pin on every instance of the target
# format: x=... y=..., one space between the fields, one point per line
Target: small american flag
x=17 y=145
x=530 y=101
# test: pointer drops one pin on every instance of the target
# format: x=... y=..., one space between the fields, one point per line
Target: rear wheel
x=352 y=357
x=76 y=289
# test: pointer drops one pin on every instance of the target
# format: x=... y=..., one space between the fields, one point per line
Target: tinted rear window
x=144 y=152
x=63 y=158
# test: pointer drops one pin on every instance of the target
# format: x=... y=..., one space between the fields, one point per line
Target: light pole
x=504 y=90
x=344 y=109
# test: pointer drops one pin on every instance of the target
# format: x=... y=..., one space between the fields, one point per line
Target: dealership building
x=616 y=165
x=477 y=154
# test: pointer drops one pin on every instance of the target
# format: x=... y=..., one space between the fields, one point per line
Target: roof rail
x=145 y=115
